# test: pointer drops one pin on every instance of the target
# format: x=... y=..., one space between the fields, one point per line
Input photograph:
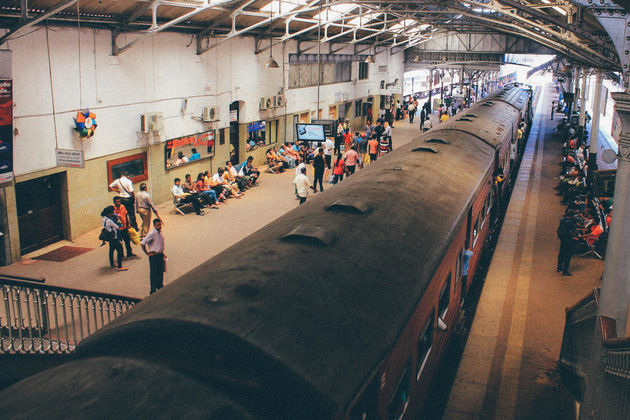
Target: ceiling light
x=370 y=59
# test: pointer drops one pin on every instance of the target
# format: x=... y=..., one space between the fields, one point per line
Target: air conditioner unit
x=210 y=113
x=266 y=102
x=153 y=121
x=278 y=100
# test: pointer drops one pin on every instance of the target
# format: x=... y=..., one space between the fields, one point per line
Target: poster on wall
x=6 y=131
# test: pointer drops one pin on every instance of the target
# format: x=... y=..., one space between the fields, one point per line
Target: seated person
x=209 y=182
x=272 y=162
x=248 y=170
x=181 y=159
x=279 y=158
x=232 y=176
x=206 y=191
x=195 y=155
x=221 y=179
x=180 y=197
x=287 y=157
x=188 y=186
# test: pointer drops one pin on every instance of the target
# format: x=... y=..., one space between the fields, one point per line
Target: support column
x=442 y=87
x=597 y=103
x=570 y=90
x=615 y=294
x=582 y=120
x=430 y=91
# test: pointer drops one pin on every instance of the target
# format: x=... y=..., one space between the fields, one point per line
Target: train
x=343 y=308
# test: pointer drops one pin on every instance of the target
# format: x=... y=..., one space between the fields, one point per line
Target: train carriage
x=343 y=308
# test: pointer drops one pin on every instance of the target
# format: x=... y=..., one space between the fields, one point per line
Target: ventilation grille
x=424 y=150
x=349 y=205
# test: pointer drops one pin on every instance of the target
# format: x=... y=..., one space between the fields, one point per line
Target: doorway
x=39 y=212
x=234 y=136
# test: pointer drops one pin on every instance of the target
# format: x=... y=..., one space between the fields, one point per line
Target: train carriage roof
x=295 y=292
x=491 y=119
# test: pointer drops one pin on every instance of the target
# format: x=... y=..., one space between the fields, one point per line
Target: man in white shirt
x=329 y=145
x=124 y=187
x=179 y=196
x=387 y=132
x=427 y=124
x=302 y=185
x=153 y=246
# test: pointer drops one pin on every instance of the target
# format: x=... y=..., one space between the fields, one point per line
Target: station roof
x=370 y=25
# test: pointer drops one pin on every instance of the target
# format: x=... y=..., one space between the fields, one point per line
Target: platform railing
x=577 y=340
x=38 y=318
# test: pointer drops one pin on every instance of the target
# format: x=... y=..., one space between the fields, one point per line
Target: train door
x=234 y=136
x=39 y=212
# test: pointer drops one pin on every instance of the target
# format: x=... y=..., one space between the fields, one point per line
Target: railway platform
x=508 y=369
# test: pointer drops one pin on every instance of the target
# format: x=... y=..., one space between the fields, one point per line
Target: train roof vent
x=471 y=115
x=424 y=150
x=349 y=205
x=437 y=141
x=465 y=119
x=313 y=235
x=489 y=102
x=486 y=104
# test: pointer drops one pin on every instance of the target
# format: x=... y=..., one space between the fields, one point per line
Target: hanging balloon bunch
x=85 y=124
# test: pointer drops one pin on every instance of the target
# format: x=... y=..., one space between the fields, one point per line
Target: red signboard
x=6 y=130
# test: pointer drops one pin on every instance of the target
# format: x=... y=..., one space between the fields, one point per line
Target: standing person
x=339 y=168
x=565 y=234
x=423 y=117
x=123 y=233
x=124 y=187
x=109 y=222
x=351 y=159
x=553 y=106
x=362 y=146
x=153 y=246
x=144 y=205
x=319 y=165
x=387 y=132
x=329 y=145
x=302 y=184
x=339 y=138
x=383 y=146
x=412 y=112
x=373 y=148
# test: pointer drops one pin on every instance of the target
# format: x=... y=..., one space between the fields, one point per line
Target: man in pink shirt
x=352 y=157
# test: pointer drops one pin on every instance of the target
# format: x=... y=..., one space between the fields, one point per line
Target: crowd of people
x=584 y=227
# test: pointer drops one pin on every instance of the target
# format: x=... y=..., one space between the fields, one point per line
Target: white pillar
x=597 y=103
x=615 y=294
x=582 y=100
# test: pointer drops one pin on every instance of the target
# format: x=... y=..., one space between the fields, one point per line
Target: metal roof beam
x=24 y=23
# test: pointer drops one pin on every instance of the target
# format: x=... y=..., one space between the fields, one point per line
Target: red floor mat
x=63 y=253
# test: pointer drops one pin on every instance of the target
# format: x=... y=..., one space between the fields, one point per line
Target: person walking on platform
x=553 y=107
x=153 y=246
x=318 y=167
x=124 y=187
x=565 y=234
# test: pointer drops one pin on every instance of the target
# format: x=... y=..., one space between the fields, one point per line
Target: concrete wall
x=61 y=70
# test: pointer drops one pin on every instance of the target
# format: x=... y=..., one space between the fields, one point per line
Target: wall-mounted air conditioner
x=152 y=121
x=266 y=102
x=210 y=113
x=278 y=100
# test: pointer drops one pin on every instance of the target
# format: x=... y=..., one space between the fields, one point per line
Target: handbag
x=107 y=235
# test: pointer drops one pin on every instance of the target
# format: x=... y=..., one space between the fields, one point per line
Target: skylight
x=335 y=11
x=360 y=20
x=406 y=25
x=287 y=6
x=556 y=8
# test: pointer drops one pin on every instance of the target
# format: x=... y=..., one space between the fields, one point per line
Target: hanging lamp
x=271 y=63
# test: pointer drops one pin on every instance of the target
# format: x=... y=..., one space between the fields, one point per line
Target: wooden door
x=39 y=212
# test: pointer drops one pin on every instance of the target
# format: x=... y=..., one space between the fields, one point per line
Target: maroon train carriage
x=343 y=309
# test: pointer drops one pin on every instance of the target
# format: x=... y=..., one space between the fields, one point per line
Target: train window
x=425 y=341
x=400 y=399
x=477 y=229
x=445 y=297
x=488 y=202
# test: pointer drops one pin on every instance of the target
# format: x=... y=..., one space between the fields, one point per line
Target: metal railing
x=37 y=318
x=575 y=353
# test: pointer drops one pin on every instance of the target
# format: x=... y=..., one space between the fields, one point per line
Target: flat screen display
x=310 y=132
